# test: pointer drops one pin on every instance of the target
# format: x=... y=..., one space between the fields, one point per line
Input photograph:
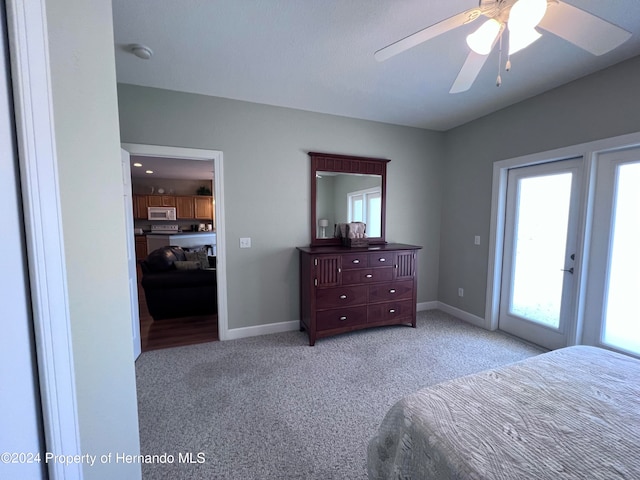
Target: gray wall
x=325 y=203
x=85 y=114
x=603 y=105
x=267 y=185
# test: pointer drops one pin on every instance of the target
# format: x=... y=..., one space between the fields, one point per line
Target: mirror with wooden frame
x=347 y=189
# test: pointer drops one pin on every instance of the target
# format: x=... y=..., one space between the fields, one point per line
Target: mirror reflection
x=348 y=197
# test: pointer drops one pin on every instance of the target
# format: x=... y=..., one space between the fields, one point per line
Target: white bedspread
x=572 y=413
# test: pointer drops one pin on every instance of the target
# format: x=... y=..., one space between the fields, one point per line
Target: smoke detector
x=141 y=51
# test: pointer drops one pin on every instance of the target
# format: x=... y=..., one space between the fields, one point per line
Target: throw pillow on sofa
x=187 y=265
x=198 y=256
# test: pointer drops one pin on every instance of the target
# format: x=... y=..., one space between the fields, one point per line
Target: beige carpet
x=271 y=407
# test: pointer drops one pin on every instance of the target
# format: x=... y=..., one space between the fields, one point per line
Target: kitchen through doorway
x=184 y=187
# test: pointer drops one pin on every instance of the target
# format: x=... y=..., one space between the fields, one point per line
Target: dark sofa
x=174 y=287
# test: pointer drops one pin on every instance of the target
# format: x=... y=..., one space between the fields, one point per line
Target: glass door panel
x=622 y=306
x=542 y=217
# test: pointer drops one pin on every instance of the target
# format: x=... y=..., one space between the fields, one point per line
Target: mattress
x=573 y=413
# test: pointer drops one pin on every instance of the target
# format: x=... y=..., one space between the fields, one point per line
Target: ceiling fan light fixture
x=481 y=41
x=526 y=14
x=522 y=38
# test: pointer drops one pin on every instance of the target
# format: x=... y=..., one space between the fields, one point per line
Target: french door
x=537 y=294
x=612 y=310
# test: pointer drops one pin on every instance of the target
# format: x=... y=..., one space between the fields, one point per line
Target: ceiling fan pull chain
x=499 y=79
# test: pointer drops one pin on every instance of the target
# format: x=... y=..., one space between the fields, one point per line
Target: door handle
x=570 y=270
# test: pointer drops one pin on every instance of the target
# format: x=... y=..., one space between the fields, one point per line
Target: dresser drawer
x=383 y=312
x=341 y=317
x=367 y=275
x=340 y=297
x=380 y=259
x=391 y=291
x=354 y=260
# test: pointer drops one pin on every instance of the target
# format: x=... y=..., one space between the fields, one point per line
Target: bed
x=573 y=413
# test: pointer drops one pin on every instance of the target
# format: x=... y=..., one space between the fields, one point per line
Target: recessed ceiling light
x=149 y=171
x=137 y=164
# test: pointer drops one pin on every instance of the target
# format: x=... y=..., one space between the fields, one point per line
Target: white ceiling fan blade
x=468 y=73
x=583 y=29
x=427 y=34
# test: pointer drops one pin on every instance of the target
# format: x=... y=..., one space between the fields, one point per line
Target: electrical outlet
x=245 y=242
x=476 y=240
x=461 y=292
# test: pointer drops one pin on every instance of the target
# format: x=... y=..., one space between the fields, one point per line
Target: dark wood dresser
x=344 y=289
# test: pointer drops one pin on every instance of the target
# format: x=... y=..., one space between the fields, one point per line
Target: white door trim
x=588 y=151
x=33 y=102
x=131 y=252
x=221 y=266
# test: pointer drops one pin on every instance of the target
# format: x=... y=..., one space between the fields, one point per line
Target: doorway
x=541 y=230
x=189 y=330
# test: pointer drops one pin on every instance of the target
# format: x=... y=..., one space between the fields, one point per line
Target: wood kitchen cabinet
x=196 y=207
x=344 y=289
x=188 y=207
x=140 y=205
x=141 y=247
x=203 y=207
x=185 y=207
x=161 y=200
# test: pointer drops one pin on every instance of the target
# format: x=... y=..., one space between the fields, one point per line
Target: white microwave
x=161 y=213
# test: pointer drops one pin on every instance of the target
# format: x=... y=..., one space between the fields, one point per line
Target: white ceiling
x=171 y=168
x=317 y=55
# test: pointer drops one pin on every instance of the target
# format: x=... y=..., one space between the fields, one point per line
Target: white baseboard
x=244 y=332
x=434 y=305
x=462 y=315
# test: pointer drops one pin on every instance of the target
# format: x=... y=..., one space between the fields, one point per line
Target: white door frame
x=589 y=151
x=35 y=132
x=221 y=258
x=20 y=402
x=131 y=253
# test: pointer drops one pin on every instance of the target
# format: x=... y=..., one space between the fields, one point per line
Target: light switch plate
x=245 y=242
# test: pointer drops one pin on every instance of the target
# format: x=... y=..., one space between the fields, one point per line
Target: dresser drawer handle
x=342 y=297
x=356 y=261
x=368 y=275
x=393 y=290
x=392 y=311
x=382 y=259
x=343 y=318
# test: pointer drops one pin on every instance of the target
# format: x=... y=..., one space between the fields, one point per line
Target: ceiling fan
x=520 y=18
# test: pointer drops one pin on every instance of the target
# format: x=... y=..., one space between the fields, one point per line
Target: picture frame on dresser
x=342 y=288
